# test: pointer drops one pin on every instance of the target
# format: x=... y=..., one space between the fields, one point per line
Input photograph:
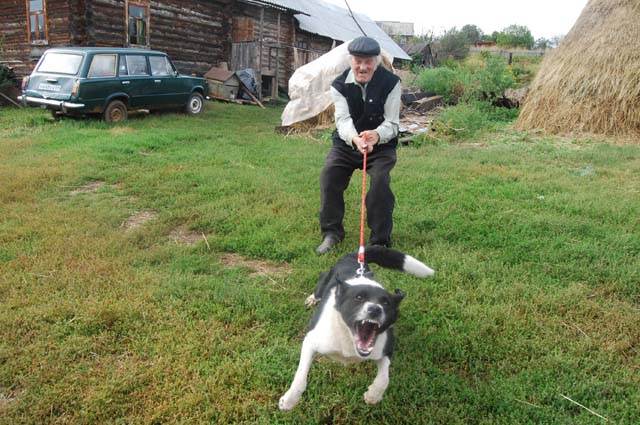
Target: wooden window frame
x=127 y=37
x=45 y=29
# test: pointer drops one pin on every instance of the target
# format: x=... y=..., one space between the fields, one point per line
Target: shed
x=223 y=84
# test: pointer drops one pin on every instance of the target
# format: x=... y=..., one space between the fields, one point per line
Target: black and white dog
x=354 y=321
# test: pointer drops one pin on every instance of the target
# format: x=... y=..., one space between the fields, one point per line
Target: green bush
x=465 y=121
x=492 y=79
x=454 y=82
x=7 y=77
x=442 y=81
x=460 y=122
x=524 y=69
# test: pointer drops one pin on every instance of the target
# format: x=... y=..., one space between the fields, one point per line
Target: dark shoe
x=327 y=244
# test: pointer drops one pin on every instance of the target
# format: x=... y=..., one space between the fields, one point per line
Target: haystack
x=591 y=82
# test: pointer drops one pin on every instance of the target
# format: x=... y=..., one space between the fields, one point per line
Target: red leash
x=362 y=209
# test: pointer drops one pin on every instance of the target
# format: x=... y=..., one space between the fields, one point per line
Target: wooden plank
x=255 y=99
x=10 y=100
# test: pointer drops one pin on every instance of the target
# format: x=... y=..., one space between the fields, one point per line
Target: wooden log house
x=266 y=37
x=194 y=33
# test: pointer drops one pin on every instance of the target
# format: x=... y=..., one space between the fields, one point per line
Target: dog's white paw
x=288 y=401
x=373 y=396
x=311 y=301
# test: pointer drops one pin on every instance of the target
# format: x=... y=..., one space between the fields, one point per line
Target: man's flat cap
x=364 y=46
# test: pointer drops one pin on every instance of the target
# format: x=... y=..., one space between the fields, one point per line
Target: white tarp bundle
x=310 y=85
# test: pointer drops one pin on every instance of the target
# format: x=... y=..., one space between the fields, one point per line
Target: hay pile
x=321 y=121
x=591 y=83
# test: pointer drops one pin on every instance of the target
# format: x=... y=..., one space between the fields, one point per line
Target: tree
x=555 y=41
x=515 y=36
x=541 y=43
x=472 y=32
x=451 y=43
x=491 y=37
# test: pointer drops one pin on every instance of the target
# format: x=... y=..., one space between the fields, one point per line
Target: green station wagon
x=95 y=80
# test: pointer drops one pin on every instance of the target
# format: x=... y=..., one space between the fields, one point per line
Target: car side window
x=160 y=65
x=136 y=65
x=122 y=67
x=103 y=66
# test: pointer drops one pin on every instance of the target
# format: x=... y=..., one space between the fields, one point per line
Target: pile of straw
x=591 y=82
x=319 y=122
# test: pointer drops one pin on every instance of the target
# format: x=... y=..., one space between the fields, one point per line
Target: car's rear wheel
x=115 y=112
x=195 y=104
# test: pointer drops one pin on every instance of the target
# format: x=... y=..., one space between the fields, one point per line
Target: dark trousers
x=334 y=180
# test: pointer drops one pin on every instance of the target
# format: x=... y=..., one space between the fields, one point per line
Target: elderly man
x=367 y=104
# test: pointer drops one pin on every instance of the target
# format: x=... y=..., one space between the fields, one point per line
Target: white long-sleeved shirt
x=387 y=130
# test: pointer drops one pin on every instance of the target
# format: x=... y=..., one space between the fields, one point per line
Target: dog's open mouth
x=365 y=335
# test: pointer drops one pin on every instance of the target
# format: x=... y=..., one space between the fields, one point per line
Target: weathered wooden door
x=245 y=55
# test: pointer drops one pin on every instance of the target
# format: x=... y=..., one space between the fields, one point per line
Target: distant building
x=399 y=31
x=485 y=44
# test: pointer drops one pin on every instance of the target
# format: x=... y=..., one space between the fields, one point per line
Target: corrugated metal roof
x=335 y=22
x=282 y=5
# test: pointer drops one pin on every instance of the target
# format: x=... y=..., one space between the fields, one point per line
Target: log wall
x=194 y=33
x=16 y=50
x=272 y=45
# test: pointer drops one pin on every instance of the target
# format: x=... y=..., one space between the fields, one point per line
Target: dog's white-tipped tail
x=416 y=267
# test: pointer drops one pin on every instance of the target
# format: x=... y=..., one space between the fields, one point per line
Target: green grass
x=536 y=242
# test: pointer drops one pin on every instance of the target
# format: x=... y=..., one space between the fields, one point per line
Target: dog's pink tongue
x=365 y=338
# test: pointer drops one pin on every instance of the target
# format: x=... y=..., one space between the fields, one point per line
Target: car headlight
x=25 y=83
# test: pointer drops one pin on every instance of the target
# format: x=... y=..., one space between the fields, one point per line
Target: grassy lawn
x=155 y=272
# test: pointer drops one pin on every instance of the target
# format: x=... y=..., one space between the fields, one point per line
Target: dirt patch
x=183 y=236
x=7 y=397
x=89 y=187
x=264 y=268
x=118 y=131
x=137 y=220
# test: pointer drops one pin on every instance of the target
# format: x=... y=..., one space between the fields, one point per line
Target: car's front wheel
x=195 y=104
x=115 y=112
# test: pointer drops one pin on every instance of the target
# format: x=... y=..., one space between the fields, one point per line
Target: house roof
x=335 y=22
x=276 y=4
x=416 y=47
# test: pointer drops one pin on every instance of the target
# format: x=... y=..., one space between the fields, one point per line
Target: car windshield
x=60 y=63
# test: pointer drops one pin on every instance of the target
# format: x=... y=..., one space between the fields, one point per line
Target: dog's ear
x=398 y=296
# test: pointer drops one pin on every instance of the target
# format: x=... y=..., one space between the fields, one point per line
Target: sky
x=544 y=18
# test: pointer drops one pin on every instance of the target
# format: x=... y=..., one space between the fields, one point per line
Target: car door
x=168 y=89
x=135 y=79
x=101 y=81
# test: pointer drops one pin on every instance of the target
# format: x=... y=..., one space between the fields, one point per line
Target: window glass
x=103 y=66
x=60 y=63
x=138 y=21
x=137 y=65
x=160 y=65
x=36 y=21
x=122 y=67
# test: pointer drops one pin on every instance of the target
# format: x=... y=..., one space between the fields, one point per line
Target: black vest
x=368 y=114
